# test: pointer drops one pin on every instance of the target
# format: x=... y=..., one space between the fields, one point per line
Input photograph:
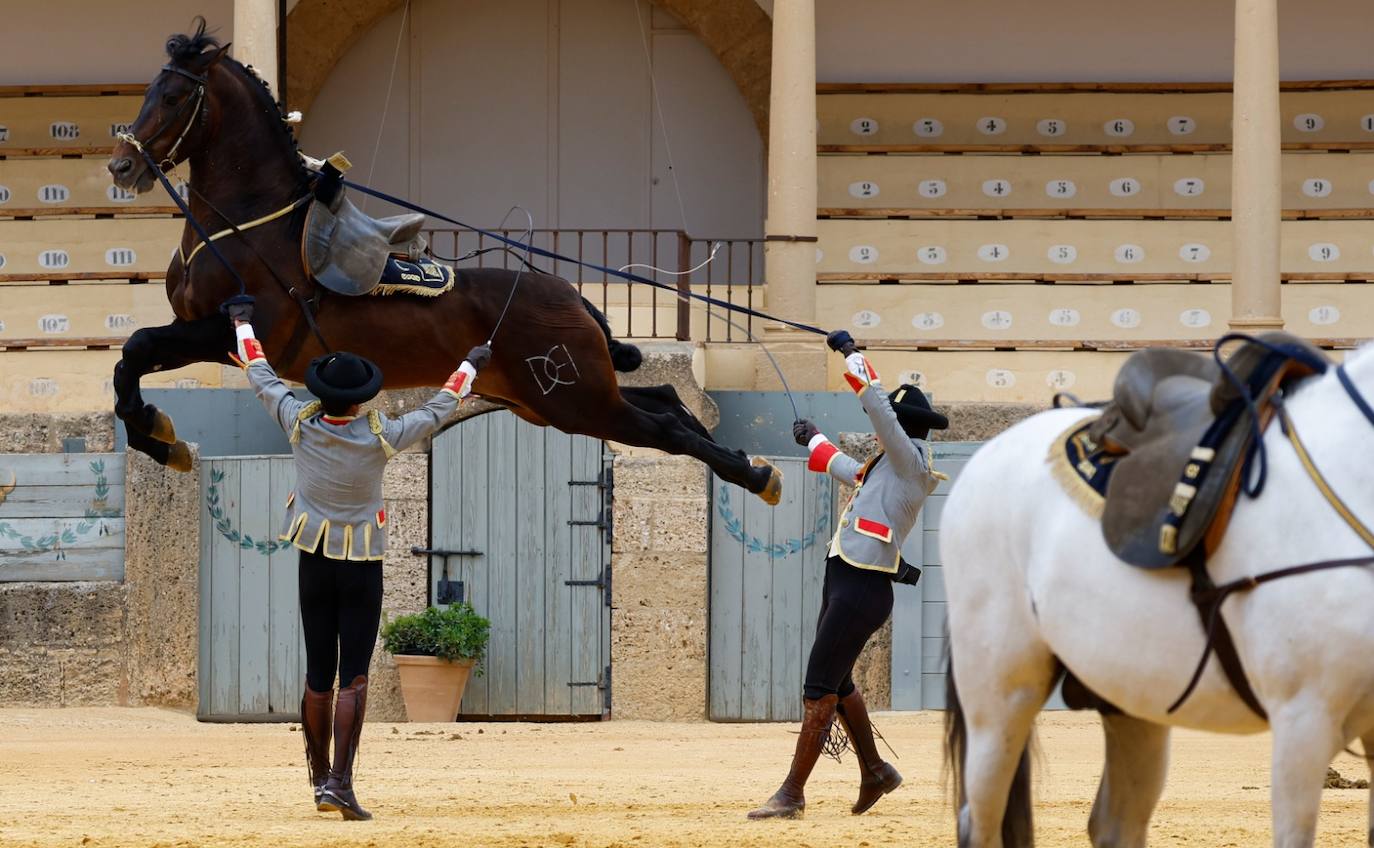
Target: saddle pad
x=425 y=278
x=1082 y=467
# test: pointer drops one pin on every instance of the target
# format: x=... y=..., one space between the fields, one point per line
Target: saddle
x=346 y=250
x=1183 y=434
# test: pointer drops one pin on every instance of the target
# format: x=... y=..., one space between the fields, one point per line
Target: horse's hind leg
x=666 y=432
x=1132 y=780
x=165 y=348
x=664 y=399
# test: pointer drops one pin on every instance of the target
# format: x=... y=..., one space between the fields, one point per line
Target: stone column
x=790 y=253
x=255 y=37
x=1256 y=209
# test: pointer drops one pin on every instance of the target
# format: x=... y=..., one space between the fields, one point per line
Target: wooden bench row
x=56 y=126
x=49 y=381
x=1076 y=251
x=1028 y=315
x=87 y=249
x=1077 y=121
x=74 y=186
x=1148 y=185
x=79 y=315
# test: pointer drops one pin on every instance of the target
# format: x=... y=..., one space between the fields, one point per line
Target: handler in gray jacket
x=335 y=517
x=863 y=562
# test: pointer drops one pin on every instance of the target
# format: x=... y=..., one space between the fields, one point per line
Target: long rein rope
x=531 y=249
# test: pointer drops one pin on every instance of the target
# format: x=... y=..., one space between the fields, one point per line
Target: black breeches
x=341 y=608
x=855 y=604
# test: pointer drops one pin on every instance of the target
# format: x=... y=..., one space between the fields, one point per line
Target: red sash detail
x=875 y=529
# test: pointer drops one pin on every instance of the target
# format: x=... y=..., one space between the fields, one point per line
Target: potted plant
x=435 y=651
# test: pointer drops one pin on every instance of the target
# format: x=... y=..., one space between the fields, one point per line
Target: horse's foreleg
x=165 y=348
x=1306 y=738
x=1137 y=761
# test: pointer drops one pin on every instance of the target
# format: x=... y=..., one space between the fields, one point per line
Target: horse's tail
x=625 y=357
x=1017 y=830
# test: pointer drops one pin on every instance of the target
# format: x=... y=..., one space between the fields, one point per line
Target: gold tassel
x=374 y=423
x=307 y=412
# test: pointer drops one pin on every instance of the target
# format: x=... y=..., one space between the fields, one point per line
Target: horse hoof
x=163 y=430
x=179 y=457
x=772 y=490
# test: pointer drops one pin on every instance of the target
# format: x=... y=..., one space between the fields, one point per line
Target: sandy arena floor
x=114 y=777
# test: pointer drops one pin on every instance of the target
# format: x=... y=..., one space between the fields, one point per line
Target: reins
x=530 y=249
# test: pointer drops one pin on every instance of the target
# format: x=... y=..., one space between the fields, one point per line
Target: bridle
x=195 y=100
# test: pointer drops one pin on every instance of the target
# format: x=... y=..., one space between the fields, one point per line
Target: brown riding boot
x=348 y=729
x=876 y=777
x=317 y=724
x=789 y=801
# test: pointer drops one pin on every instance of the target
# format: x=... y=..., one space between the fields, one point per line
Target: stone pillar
x=162 y=580
x=1256 y=209
x=659 y=557
x=790 y=253
x=255 y=37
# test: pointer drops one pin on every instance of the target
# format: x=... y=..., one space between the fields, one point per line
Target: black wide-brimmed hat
x=343 y=378
x=914 y=411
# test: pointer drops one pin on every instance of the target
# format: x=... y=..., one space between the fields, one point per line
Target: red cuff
x=455 y=384
x=252 y=350
x=855 y=383
x=822 y=456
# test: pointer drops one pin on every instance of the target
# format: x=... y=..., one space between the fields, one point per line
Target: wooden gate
x=252 y=649
x=767 y=567
x=520 y=516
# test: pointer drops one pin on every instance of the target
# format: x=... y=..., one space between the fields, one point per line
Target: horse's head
x=172 y=122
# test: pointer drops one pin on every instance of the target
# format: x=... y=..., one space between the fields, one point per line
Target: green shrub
x=454 y=633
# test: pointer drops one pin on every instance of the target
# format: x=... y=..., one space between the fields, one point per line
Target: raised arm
x=863 y=379
x=276 y=396
x=404 y=431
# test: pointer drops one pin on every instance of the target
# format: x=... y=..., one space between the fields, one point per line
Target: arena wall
x=572 y=131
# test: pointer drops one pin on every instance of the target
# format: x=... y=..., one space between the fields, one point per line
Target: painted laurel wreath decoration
x=226 y=528
x=776 y=550
x=93 y=520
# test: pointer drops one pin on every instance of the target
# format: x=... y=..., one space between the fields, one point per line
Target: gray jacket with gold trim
x=889 y=489
x=336 y=507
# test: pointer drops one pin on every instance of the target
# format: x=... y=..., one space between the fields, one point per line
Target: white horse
x=1033 y=588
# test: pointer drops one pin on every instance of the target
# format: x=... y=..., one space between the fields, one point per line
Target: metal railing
x=733 y=276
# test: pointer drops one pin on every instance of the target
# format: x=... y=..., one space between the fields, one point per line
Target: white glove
x=460 y=382
x=249 y=349
x=858 y=365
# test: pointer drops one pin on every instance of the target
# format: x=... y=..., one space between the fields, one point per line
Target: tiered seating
x=1316 y=185
x=1038 y=198
x=62 y=221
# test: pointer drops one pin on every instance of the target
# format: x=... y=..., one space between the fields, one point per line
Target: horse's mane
x=183 y=48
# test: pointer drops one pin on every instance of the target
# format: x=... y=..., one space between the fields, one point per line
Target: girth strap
x=1208 y=600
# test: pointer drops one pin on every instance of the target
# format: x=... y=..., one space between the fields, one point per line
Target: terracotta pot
x=432 y=688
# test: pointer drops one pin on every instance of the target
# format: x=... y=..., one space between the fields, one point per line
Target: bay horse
x=206 y=108
x=1033 y=589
